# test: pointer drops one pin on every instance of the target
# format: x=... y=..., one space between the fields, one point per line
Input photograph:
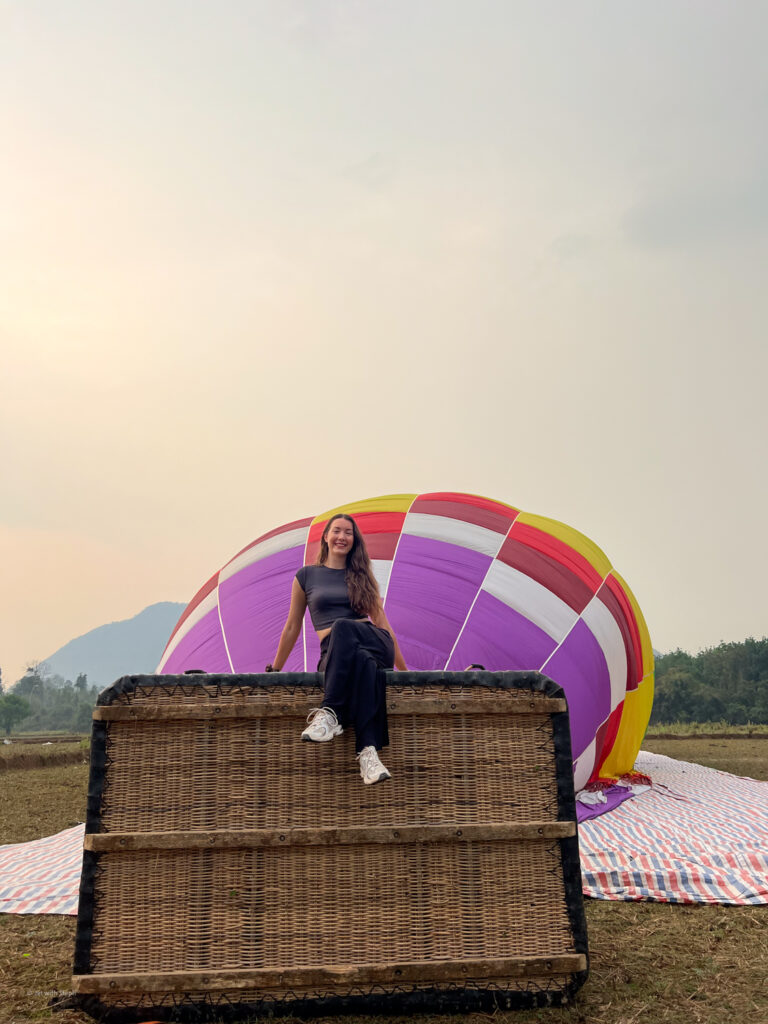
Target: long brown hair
x=361 y=583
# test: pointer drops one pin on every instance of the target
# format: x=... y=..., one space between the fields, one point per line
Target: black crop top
x=327 y=594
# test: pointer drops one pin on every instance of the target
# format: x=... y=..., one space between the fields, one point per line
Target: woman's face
x=340 y=537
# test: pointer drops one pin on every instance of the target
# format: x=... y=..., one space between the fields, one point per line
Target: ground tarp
x=696 y=836
x=42 y=877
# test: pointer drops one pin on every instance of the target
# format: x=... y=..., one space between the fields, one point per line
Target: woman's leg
x=323 y=724
x=355 y=684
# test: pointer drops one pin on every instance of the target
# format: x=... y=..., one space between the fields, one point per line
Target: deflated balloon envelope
x=465 y=580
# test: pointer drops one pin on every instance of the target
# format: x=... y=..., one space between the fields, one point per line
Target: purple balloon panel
x=501 y=639
x=254 y=606
x=202 y=647
x=579 y=667
x=431 y=590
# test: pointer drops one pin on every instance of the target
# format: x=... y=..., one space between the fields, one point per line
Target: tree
x=30 y=685
x=13 y=709
x=728 y=682
x=674 y=697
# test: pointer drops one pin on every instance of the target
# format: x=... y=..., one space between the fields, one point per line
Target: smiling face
x=340 y=537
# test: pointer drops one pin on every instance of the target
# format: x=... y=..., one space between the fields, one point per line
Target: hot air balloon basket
x=230 y=869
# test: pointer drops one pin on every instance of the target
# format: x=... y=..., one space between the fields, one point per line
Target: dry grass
x=41 y=801
x=718 y=729
x=41 y=755
x=50 y=737
x=737 y=755
x=650 y=962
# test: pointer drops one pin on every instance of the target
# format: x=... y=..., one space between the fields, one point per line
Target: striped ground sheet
x=696 y=836
x=42 y=877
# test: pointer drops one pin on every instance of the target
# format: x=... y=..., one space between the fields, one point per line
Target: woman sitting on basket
x=356 y=643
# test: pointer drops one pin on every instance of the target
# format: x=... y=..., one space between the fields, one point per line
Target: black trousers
x=354 y=657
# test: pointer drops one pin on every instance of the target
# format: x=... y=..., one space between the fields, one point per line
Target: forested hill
x=728 y=683
x=118 y=648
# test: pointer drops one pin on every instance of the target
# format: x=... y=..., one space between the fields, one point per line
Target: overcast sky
x=261 y=258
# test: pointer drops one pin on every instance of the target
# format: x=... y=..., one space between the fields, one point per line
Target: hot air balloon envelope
x=465 y=580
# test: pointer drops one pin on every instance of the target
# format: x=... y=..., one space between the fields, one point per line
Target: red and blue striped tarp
x=696 y=836
x=43 y=876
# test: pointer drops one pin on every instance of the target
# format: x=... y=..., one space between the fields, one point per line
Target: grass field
x=40 y=755
x=729 y=754
x=719 y=729
x=650 y=962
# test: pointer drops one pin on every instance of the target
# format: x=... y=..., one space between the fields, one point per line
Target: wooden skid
x=229 y=864
x=325 y=836
x=365 y=974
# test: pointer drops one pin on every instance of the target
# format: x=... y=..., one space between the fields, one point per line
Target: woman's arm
x=379 y=618
x=292 y=626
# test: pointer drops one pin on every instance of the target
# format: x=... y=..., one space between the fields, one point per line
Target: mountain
x=119 y=648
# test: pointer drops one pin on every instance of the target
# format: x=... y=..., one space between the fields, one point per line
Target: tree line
x=728 y=683
x=42 y=701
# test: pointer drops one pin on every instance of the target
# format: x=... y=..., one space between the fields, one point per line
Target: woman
x=356 y=643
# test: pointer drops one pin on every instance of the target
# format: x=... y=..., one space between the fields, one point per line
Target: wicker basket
x=230 y=868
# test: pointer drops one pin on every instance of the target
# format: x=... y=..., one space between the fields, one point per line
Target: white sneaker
x=371 y=768
x=323 y=725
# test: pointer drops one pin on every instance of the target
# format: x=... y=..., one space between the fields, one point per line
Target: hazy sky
x=261 y=258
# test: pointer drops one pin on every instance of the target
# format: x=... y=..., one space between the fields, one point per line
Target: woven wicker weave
x=231 y=868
